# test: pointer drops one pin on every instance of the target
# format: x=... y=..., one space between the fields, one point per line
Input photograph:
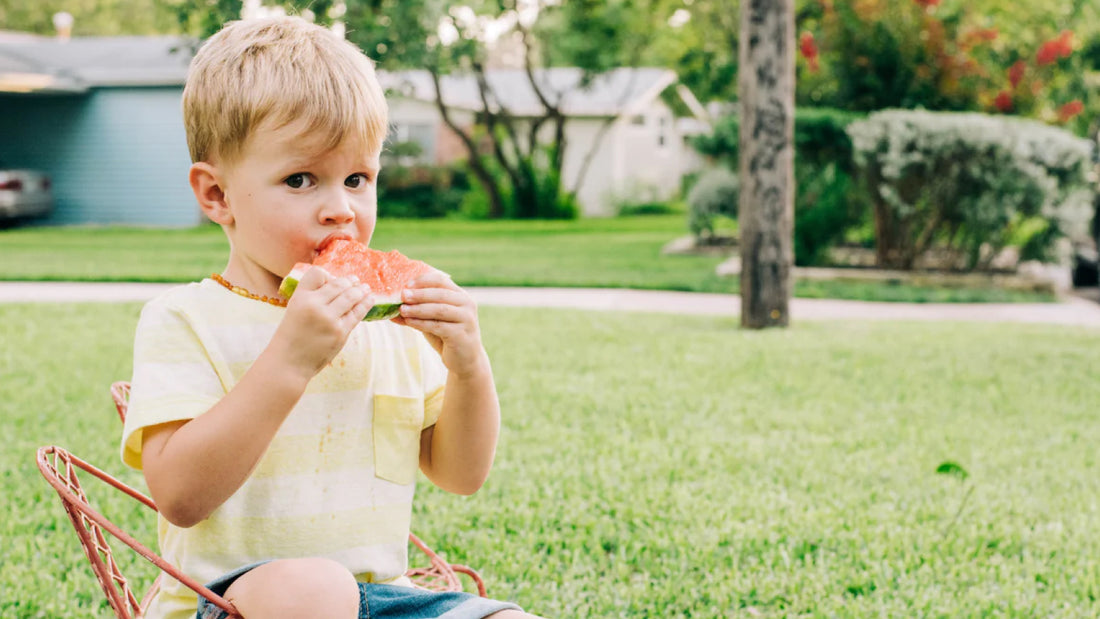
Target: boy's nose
x=337 y=210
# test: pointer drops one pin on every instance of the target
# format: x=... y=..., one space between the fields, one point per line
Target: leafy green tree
x=91 y=17
x=202 y=18
x=704 y=49
x=699 y=40
x=520 y=169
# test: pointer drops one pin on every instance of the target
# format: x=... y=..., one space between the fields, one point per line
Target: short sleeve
x=174 y=376
x=434 y=378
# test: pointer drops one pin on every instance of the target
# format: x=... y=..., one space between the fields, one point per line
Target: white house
x=623 y=141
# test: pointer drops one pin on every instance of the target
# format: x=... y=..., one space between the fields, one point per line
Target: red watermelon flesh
x=387 y=273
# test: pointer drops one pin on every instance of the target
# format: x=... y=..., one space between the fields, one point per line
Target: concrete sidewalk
x=1072 y=311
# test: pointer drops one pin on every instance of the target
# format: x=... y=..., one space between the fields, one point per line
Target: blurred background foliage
x=1034 y=58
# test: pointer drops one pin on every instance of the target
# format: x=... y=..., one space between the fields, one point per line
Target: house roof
x=31 y=63
x=48 y=64
x=615 y=92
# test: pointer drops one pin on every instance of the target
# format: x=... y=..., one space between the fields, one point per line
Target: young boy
x=281 y=440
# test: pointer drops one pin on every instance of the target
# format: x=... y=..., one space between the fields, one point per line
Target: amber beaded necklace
x=279 y=302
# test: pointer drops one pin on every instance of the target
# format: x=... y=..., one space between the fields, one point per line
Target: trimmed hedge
x=716 y=192
x=970 y=184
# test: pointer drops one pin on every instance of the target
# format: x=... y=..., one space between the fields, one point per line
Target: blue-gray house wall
x=116 y=155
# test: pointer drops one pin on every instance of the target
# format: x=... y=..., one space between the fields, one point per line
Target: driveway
x=1071 y=311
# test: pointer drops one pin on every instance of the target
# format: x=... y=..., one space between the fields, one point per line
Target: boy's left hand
x=447 y=316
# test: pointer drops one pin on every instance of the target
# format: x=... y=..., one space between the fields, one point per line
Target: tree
x=865 y=55
x=517 y=161
x=699 y=40
x=766 y=87
x=91 y=17
x=202 y=18
x=1033 y=58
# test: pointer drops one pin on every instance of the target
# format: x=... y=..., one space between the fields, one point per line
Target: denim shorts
x=384 y=601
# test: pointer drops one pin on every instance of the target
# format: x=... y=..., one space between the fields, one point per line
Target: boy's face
x=286 y=197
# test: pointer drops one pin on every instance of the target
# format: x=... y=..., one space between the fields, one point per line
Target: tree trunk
x=766 y=217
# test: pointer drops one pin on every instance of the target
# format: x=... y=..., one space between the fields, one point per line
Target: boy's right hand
x=319 y=318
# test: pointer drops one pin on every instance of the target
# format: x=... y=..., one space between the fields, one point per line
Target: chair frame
x=60 y=469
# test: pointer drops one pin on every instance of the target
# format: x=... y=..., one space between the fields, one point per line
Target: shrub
x=420 y=191
x=715 y=193
x=827 y=202
x=969 y=183
x=649 y=208
x=542 y=195
x=552 y=200
x=643 y=199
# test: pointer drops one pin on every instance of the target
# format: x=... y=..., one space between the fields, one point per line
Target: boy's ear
x=207 y=185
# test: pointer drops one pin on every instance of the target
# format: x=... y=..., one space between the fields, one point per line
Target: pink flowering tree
x=978 y=55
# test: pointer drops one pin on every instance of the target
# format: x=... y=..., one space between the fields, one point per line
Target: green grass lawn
x=620 y=252
x=671 y=466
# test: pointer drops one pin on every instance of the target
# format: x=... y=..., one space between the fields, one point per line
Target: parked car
x=24 y=194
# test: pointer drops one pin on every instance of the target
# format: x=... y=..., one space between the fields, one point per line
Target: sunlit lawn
x=623 y=252
x=672 y=466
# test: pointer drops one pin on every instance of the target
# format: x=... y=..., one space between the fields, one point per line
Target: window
x=411 y=143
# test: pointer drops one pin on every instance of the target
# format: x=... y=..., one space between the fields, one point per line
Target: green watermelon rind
x=289 y=285
x=383 y=311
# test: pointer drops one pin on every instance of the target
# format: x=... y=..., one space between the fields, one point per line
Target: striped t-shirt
x=337 y=480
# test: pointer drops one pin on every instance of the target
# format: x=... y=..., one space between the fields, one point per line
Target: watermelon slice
x=387 y=273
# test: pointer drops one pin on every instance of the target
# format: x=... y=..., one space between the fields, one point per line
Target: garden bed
x=1031 y=277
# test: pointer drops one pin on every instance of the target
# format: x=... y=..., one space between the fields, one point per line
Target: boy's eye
x=356 y=181
x=297 y=181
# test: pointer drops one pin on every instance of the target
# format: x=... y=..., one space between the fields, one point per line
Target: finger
x=333 y=288
x=348 y=299
x=359 y=311
x=440 y=312
x=436 y=295
x=439 y=329
x=433 y=278
x=314 y=278
x=342 y=283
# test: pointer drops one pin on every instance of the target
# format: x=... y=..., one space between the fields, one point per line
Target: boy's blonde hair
x=278 y=71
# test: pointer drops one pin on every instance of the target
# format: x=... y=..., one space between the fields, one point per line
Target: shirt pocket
x=398 y=421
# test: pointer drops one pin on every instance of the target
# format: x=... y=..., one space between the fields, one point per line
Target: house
x=101 y=116
x=623 y=142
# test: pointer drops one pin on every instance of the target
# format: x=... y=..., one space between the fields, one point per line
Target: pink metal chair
x=60 y=468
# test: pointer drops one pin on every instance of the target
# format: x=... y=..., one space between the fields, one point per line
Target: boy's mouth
x=338 y=236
